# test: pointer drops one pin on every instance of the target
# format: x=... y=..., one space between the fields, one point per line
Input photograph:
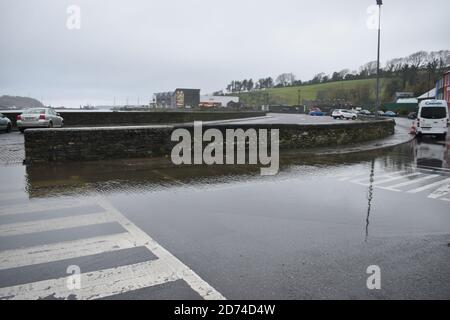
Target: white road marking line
x=54 y=224
x=395 y=178
x=402 y=184
x=442 y=191
x=96 y=284
x=66 y=250
x=205 y=290
x=429 y=186
x=35 y=207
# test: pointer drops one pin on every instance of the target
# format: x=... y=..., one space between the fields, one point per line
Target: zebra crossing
x=435 y=184
x=22 y=218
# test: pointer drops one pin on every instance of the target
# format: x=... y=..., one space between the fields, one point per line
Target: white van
x=432 y=118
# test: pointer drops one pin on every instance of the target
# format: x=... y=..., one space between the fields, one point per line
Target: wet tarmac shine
x=309 y=232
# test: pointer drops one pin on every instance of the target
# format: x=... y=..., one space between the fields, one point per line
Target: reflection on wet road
x=309 y=232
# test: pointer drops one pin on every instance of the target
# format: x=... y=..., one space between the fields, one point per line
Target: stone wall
x=130 y=118
x=81 y=144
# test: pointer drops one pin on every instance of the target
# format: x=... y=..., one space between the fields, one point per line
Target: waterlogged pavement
x=140 y=229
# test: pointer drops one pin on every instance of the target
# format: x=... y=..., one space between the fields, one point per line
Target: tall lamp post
x=377 y=107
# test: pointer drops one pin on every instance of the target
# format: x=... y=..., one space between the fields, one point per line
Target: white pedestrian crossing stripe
x=437 y=185
x=412 y=181
x=54 y=224
x=97 y=284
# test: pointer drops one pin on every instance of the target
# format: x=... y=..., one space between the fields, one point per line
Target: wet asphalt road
x=309 y=232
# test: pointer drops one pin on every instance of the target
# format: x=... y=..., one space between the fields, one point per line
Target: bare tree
x=318 y=78
x=394 y=65
x=285 y=79
x=368 y=68
x=418 y=58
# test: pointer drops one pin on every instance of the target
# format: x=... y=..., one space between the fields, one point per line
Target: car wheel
x=50 y=124
x=8 y=128
x=353 y=118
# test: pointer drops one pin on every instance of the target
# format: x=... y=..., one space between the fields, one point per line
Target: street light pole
x=378 y=105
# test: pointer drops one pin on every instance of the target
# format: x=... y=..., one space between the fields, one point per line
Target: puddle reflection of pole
x=370 y=197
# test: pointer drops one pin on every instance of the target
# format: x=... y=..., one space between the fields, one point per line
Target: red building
x=443 y=88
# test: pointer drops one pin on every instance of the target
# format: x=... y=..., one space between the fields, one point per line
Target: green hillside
x=290 y=95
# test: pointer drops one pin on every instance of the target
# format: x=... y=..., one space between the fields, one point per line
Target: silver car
x=39 y=118
x=5 y=123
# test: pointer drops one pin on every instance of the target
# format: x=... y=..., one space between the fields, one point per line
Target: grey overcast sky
x=137 y=47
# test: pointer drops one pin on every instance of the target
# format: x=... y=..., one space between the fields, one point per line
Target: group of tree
x=416 y=73
x=248 y=85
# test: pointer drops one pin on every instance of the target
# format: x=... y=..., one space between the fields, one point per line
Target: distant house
x=441 y=91
x=407 y=100
x=428 y=95
x=217 y=101
x=163 y=99
x=403 y=95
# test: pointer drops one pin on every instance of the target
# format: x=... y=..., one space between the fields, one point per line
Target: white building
x=217 y=101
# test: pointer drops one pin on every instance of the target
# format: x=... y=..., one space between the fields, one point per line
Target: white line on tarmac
x=429 y=186
x=199 y=285
x=402 y=184
x=20 y=208
x=396 y=178
x=96 y=284
x=54 y=224
x=66 y=250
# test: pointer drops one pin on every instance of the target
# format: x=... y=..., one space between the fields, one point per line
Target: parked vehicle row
x=5 y=123
x=33 y=118
x=344 y=114
x=316 y=112
x=350 y=113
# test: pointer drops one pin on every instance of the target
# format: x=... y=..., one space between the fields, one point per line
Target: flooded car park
x=226 y=232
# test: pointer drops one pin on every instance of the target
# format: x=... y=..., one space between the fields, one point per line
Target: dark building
x=186 y=98
x=180 y=98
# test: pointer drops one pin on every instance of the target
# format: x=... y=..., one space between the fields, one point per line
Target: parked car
x=412 y=115
x=390 y=114
x=344 y=114
x=365 y=112
x=316 y=112
x=380 y=113
x=39 y=118
x=432 y=118
x=5 y=123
